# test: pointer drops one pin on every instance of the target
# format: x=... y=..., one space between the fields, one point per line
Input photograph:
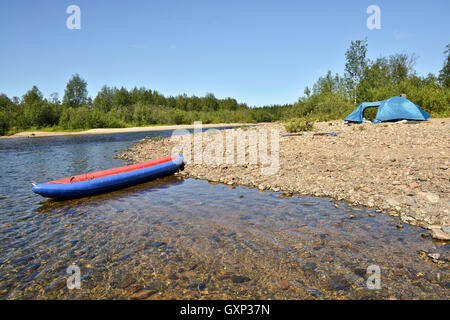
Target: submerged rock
x=196 y=286
x=239 y=279
x=144 y=294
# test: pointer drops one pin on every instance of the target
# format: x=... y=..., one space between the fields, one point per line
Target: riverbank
x=36 y=134
x=399 y=169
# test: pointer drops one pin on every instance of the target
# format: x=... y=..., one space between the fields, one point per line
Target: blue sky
x=259 y=52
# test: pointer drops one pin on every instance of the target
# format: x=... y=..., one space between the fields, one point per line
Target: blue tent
x=395 y=108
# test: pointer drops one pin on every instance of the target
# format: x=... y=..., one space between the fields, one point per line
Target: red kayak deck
x=109 y=172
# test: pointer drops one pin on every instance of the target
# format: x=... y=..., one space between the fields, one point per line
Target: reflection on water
x=174 y=238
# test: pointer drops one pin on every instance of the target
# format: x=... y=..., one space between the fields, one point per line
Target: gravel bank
x=399 y=169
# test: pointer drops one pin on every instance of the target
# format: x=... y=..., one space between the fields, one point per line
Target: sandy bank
x=36 y=134
x=399 y=169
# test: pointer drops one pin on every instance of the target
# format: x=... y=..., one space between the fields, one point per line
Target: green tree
x=4 y=122
x=32 y=96
x=76 y=92
x=444 y=74
x=210 y=102
x=307 y=92
x=122 y=98
x=54 y=98
x=328 y=84
x=377 y=75
x=4 y=101
x=33 y=104
x=401 y=66
x=104 y=99
x=356 y=63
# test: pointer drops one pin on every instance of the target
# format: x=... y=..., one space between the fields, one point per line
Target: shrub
x=4 y=123
x=299 y=125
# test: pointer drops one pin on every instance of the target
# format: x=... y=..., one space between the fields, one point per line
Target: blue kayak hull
x=108 y=183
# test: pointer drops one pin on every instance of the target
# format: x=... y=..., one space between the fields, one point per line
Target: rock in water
x=239 y=279
x=144 y=294
x=283 y=285
x=438 y=234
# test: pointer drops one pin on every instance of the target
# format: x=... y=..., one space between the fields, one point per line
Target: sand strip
x=36 y=134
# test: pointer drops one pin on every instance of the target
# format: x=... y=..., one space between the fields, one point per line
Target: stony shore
x=397 y=168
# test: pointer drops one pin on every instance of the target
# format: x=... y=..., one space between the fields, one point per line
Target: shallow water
x=175 y=238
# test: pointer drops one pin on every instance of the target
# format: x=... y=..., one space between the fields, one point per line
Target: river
x=188 y=239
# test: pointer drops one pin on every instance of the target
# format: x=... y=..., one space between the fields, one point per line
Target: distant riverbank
x=36 y=134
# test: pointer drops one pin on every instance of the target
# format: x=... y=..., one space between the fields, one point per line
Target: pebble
x=172 y=276
x=144 y=294
x=438 y=234
x=435 y=256
x=393 y=202
x=125 y=283
x=283 y=285
x=285 y=195
x=124 y=257
x=431 y=197
x=196 y=286
x=339 y=283
x=239 y=279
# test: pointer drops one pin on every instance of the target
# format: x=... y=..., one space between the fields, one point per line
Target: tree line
x=332 y=97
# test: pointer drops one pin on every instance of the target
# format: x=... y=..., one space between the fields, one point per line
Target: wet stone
x=144 y=294
x=285 y=195
x=173 y=276
x=155 y=285
x=125 y=283
x=283 y=285
x=196 y=286
x=339 y=283
x=122 y=258
x=32 y=267
x=360 y=272
x=239 y=279
x=195 y=266
x=135 y=289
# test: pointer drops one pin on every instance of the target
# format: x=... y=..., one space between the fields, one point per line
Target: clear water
x=174 y=238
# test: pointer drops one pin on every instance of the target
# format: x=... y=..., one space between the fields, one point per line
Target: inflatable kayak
x=107 y=180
